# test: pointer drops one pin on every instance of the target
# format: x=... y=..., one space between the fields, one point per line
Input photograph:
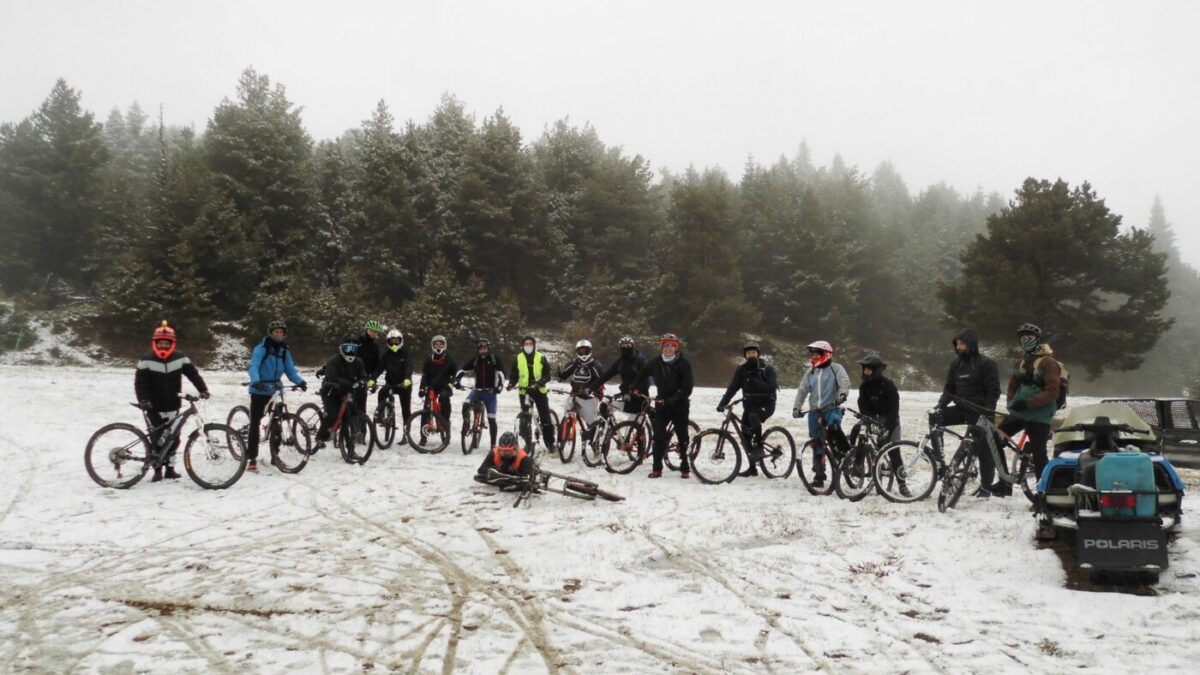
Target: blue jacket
x=270 y=362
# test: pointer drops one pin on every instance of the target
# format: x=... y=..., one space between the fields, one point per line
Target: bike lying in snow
x=540 y=481
x=1109 y=485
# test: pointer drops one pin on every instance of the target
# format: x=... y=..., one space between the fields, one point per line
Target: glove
x=720 y=408
x=422 y=391
x=1018 y=406
x=204 y=395
x=321 y=371
x=841 y=398
x=303 y=386
x=510 y=386
x=371 y=384
x=406 y=384
x=797 y=414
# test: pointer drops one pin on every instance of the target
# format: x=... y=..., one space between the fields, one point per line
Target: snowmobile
x=1109 y=484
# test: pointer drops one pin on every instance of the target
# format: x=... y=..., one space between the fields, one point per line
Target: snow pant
x=952 y=416
x=1037 y=435
x=400 y=392
x=332 y=403
x=159 y=418
x=542 y=401
x=821 y=423
x=663 y=416
x=489 y=404
x=258 y=407
x=754 y=413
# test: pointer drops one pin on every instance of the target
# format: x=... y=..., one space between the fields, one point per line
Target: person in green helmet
x=368 y=354
x=1032 y=401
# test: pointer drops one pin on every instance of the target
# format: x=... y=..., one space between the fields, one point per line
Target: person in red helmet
x=826 y=385
x=157 y=383
x=672 y=376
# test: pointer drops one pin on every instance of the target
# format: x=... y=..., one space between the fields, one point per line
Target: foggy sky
x=976 y=94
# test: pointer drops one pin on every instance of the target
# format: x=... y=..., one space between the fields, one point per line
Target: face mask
x=279 y=339
x=626 y=351
x=1029 y=343
x=528 y=349
x=668 y=359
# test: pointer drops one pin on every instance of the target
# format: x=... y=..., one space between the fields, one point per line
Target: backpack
x=1064 y=381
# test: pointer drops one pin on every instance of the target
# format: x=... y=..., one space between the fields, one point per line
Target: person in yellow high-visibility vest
x=530 y=373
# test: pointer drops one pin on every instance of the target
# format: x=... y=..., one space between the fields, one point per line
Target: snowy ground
x=406 y=565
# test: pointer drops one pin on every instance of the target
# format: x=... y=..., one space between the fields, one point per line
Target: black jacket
x=972 y=376
x=340 y=376
x=368 y=353
x=396 y=365
x=488 y=372
x=629 y=368
x=878 y=397
x=505 y=466
x=757 y=382
x=674 y=380
x=159 y=381
x=585 y=377
x=438 y=374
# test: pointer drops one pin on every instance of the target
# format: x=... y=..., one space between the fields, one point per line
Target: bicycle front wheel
x=568 y=432
x=361 y=441
x=715 y=456
x=815 y=469
x=117 y=456
x=625 y=447
x=957 y=476
x=853 y=479
x=239 y=419
x=1027 y=478
x=311 y=414
x=291 y=443
x=592 y=453
x=427 y=433
x=779 y=453
x=216 y=458
x=385 y=425
x=673 y=455
x=905 y=472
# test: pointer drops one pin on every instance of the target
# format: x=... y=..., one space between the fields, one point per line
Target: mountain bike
x=962 y=468
x=570 y=428
x=428 y=430
x=528 y=424
x=288 y=437
x=540 y=482
x=352 y=430
x=476 y=420
x=592 y=453
x=119 y=455
x=907 y=471
x=716 y=453
x=385 y=419
x=819 y=473
x=855 y=478
x=629 y=443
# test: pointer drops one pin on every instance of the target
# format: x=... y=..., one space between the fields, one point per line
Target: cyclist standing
x=629 y=365
x=437 y=375
x=826 y=386
x=271 y=360
x=672 y=376
x=530 y=374
x=157 y=383
x=342 y=373
x=1032 y=401
x=975 y=378
x=369 y=354
x=489 y=376
x=395 y=364
x=586 y=386
x=879 y=398
x=757 y=381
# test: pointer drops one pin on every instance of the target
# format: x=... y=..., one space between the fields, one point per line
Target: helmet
x=483 y=342
x=873 y=361
x=751 y=344
x=373 y=325
x=669 y=339
x=349 y=348
x=435 y=340
x=507 y=443
x=1029 y=329
x=396 y=335
x=625 y=341
x=821 y=346
x=277 y=323
x=163 y=333
x=583 y=349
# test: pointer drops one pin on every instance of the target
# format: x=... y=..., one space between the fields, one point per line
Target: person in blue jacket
x=272 y=359
x=758 y=383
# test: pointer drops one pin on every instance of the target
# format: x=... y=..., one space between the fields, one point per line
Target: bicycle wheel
x=1022 y=468
x=625 y=447
x=905 y=472
x=779 y=453
x=957 y=475
x=716 y=456
x=672 y=456
x=385 y=425
x=816 y=471
x=429 y=437
x=361 y=441
x=216 y=458
x=853 y=479
x=290 y=442
x=592 y=453
x=310 y=414
x=568 y=433
x=239 y=419
x=471 y=433
x=117 y=456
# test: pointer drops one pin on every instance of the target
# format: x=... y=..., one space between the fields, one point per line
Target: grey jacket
x=828 y=386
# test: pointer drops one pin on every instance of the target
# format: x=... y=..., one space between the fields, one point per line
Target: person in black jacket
x=758 y=383
x=879 y=398
x=629 y=365
x=369 y=354
x=672 y=375
x=489 y=380
x=973 y=377
x=344 y=373
x=395 y=365
x=157 y=383
x=586 y=387
x=437 y=375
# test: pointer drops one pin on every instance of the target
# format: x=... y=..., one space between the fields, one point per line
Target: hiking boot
x=752 y=471
x=157 y=475
x=170 y=472
x=252 y=466
x=1001 y=489
x=819 y=480
x=656 y=474
x=685 y=474
x=904 y=491
x=982 y=493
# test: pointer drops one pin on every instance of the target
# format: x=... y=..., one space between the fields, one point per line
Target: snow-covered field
x=406 y=565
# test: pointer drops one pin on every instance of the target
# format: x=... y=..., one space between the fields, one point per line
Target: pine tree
x=386 y=241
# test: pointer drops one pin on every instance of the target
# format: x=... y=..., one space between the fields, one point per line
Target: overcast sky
x=976 y=94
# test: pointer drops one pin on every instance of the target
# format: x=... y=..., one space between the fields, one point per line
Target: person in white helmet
x=826 y=385
x=584 y=375
x=395 y=365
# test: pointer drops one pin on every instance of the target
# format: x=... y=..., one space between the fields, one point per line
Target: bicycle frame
x=174 y=429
